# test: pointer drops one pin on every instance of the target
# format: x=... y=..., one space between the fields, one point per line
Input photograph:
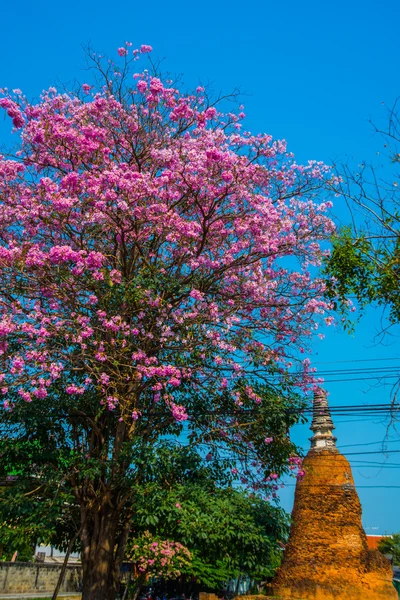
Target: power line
x=338 y=410
x=343 y=485
x=356 y=360
x=353 y=370
x=360 y=378
x=370 y=443
x=372 y=465
x=340 y=407
x=358 y=420
x=255 y=459
x=363 y=453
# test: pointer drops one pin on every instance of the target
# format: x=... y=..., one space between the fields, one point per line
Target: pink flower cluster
x=13 y=112
x=156 y=557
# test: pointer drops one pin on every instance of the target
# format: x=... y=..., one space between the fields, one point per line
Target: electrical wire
x=341 y=485
x=356 y=360
x=370 y=443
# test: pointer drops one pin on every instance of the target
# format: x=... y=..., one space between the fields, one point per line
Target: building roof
x=373 y=541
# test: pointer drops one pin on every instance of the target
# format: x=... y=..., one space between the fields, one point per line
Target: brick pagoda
x=327 y=556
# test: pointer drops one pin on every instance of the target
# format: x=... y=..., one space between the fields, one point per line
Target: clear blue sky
x=313 y=72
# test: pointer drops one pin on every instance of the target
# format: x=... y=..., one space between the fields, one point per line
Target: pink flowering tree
x=157 y=274
x=154 y=557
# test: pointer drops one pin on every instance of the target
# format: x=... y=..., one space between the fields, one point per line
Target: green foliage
x=15 y=539
x=228 y=531
x=35 y=458
x=365 y=260
x=177 y=494
x=369 y=271
x=391 y=545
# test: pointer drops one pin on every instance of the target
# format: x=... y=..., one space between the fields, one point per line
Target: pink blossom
x=105 y=379
x=144 y=49
x=178 y=412
x=40 y=392
x=159 y=256
x=156 y=85
x=141 y=86
x=112 y=402
x=74 y=389
x=17 y=364
x=115 y=276
x=211 y=113
x=25 y=395
x=227 y=176
x=196 y=294
x=13 y=111
x=122 y=51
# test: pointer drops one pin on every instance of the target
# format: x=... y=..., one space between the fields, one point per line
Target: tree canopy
x=391 y=545
x=365 y=261
x=156 y=279
x=178 y=505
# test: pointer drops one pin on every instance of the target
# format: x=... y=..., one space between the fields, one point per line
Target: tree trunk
x=99 y=584
x=64 y=567
x=105 y=516
x=103 y=544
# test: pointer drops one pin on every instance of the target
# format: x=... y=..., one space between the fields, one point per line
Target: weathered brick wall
x=327 y=557
x=37 y=577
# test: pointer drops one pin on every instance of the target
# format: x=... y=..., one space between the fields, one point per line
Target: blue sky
x=313 y=73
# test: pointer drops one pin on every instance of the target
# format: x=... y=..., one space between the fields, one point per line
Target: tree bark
x=64 y=567
x=104 y=539
x=105 y=508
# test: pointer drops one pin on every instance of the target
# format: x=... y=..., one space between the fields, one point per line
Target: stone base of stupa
x=327 y=556
x=370 y=587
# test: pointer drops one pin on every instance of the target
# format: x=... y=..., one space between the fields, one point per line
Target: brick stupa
x=327 y=557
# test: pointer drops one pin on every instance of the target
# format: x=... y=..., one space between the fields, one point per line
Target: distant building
x=49 y=554
x=373 y=541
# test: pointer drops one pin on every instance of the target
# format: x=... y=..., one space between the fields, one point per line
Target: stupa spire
x=322 y=424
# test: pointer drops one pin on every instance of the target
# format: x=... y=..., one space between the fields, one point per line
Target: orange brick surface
x=327 y=557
